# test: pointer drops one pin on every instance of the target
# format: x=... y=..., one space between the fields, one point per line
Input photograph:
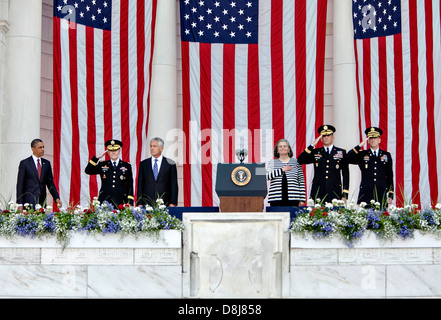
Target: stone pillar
x=4 y=28
x=163 y=108
x=20 y=122
x=345 y=91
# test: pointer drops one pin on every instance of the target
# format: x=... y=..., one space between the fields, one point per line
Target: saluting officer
x=116 y=175
x=377 y=179
x=331 y=172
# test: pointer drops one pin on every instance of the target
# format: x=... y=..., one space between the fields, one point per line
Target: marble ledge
x=369 y=241
x=165 y=239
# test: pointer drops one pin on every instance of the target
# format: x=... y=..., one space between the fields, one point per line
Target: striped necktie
x=155 y=169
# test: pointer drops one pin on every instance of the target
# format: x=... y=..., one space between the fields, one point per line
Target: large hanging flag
x=102 y=71
x=398 y=59
x=252 y=73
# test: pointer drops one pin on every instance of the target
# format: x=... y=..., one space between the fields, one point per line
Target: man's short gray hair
x=159 y=140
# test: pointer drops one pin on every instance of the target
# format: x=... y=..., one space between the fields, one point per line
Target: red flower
x=312 y=214
x=385 y=213
x=120 y=207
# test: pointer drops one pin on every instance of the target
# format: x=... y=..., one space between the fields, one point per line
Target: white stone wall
x=257 y=255
x=90 y=267
x=401 y=269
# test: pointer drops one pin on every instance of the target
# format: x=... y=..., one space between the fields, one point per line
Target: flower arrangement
x=96 y=218
x=350 y=221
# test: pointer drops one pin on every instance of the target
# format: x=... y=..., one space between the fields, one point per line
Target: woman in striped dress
x=287 y=183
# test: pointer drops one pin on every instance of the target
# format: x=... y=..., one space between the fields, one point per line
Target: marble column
x=345 y=94
x=4 y=28
x=163 y=108
x=21 y=100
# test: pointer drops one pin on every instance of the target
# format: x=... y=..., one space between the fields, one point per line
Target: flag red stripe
x=277 y=95
x=300 y=61
x=414 y=99
x=431 y=151
x=228 y=99
x=383 y=87
x=124 y=68
x=107 y=85
x=186 y=121
x=57 y=98
x=206 y=142
x=90 y=87
x=320 y=62
x=75 y=181
x=367 y=81
x=399 y=111
x=253 y=103
x=140 y=36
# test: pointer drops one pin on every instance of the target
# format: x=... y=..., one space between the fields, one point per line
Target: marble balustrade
x=221 y=255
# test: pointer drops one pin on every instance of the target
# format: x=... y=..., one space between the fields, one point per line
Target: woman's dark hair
x=276 y=153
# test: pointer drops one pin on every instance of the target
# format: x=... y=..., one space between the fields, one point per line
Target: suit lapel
x=44 y=167
x=164 y=163
x=33 y=168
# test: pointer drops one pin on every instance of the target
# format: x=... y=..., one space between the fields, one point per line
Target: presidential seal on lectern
x=241 y=176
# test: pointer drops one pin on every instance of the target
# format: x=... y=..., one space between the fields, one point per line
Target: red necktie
x=39 y=168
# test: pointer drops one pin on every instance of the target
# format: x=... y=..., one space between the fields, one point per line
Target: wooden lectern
x=241 y=187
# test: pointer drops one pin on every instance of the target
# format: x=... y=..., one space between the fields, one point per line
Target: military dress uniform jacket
x=377 y=180
x=116 y=183
x=331 y=172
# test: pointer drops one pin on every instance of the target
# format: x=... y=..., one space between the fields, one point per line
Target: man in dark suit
x=116 y=175
x=377 y=179
x=157 y=177
x=34 y=175
x=331 y=171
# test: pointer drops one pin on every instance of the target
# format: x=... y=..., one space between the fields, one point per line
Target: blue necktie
x=155 y=169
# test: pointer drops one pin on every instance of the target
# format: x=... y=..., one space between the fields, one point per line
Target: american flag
x=398 y=59
x=252 y=73
x=102 y=71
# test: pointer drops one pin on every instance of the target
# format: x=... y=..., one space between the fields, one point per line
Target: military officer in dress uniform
x=116 y=175
x=377 y=180
x=331 y=172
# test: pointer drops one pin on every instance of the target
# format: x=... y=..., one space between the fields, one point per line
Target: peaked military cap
x=326 y=130
x=373 y=132
x=113 y=145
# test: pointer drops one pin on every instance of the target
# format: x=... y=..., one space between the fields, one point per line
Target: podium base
x=241 y=204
